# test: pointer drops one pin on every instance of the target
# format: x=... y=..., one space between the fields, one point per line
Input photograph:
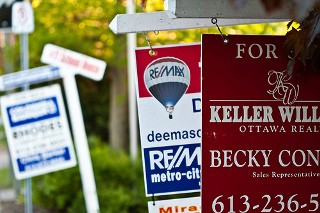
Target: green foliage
x=5 y=178
x=82 y=26
x=119 y=184
x=57 y=190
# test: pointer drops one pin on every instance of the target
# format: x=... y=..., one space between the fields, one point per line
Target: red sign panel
x=261 y=128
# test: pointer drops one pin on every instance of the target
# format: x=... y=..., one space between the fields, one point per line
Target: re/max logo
x=173 y=158
x=163 y=71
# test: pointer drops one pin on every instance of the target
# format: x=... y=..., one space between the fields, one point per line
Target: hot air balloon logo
x=167 y=79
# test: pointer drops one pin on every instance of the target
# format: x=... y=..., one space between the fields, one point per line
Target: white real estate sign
x=76 y=62
x=169 y=108
x=37 y=131
x=22 y=17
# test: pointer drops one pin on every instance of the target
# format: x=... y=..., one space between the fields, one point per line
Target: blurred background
x=83 y=26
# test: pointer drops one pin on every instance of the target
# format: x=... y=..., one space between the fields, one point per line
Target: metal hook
x=153 y=201
x=152 y=52
x=224 y=37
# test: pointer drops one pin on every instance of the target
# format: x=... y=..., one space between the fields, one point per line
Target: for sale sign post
x=37 y=131
x=260 y=148
x=169 y=107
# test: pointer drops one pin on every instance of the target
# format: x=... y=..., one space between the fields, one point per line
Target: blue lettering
x=196 y=105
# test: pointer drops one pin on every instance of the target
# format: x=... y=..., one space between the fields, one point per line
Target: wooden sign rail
x=252 y=9
x=185 y=14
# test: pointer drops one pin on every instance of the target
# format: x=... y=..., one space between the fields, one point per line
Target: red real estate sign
x=261 y=131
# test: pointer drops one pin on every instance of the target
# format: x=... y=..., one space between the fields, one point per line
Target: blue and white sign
x=37 y=131
x=27 y=77
x=169 y=108
x=171 y=167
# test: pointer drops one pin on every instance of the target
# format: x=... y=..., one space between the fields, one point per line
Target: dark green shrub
x=119 y=184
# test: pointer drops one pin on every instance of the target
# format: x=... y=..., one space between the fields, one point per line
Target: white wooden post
x=81 y=143
x=133 y=120
x=91 y=68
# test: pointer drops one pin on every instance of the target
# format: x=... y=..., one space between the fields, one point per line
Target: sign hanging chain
x=224 y=37
x=152 y=52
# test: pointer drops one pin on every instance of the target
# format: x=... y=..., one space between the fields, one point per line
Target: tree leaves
x=301 y=9
x=312 y=24
x=304 y=42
